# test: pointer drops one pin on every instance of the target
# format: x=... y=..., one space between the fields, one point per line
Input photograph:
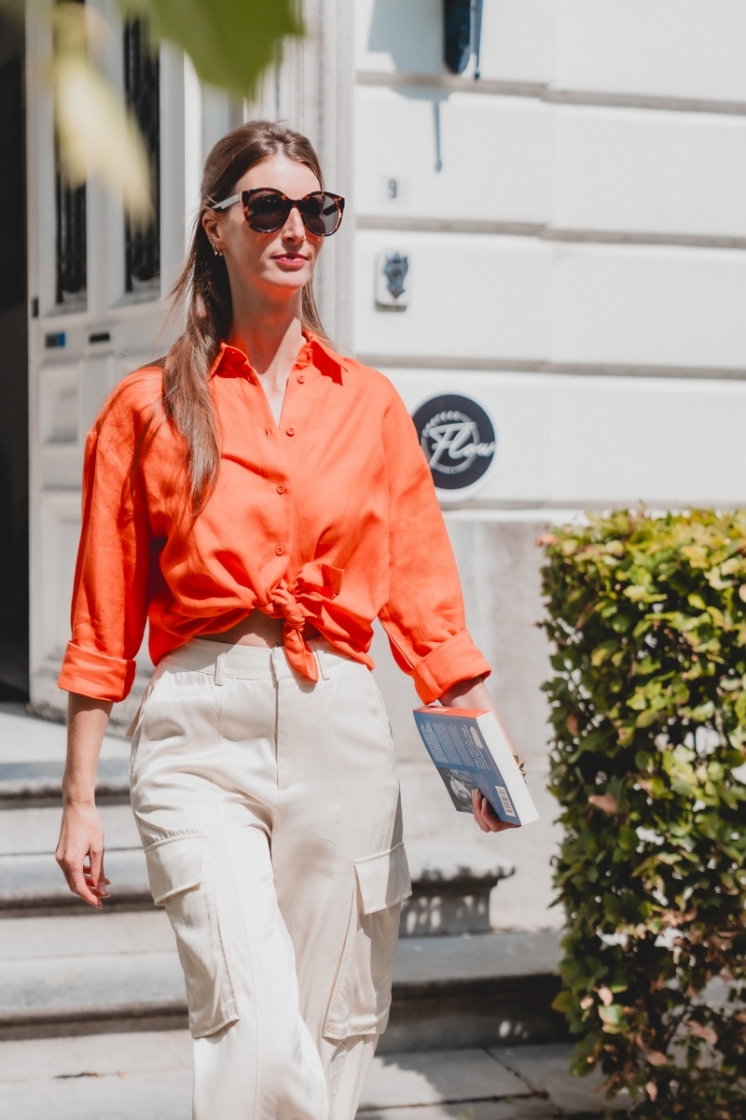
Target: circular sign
x=458 y=439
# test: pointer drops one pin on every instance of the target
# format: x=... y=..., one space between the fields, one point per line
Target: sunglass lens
x=267 y=212
x=321 y=214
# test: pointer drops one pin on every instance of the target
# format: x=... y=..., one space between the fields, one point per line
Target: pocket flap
x=174 y=865
x=383 y=879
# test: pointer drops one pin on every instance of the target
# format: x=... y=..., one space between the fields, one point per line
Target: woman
x=259 y=500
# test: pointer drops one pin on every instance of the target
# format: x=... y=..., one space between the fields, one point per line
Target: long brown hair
x=203 y=291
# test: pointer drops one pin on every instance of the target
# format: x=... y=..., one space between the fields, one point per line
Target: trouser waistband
x=250 y=662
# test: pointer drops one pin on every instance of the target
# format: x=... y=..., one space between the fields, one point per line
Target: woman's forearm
x=86 y=724
x=468 y=694
x=80 y=849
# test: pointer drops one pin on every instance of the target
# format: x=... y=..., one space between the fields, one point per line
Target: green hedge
x=648 y=621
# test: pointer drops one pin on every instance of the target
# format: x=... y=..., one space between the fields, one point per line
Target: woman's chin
x=289 y=280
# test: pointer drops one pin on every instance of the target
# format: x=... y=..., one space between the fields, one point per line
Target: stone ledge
x=448 y=992
x=454 y=901
x=40 y=783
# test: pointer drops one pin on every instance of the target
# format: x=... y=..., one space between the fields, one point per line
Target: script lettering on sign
x=458 y=439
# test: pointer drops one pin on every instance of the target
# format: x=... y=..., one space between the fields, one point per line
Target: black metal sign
x=458 y=439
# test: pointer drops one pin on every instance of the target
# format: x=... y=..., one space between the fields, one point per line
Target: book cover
x=471 y=751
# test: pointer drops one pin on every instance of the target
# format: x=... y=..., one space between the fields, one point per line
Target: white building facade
x=560 y=241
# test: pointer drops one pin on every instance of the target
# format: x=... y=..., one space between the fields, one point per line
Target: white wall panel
x=496 y=155
x=518 y=40
x=632 y=304
x=680 y=48
x=638 y=170
x=520 y=159
x=60 y=530
x=510 y=298
x=470 y=295
x=595 y=441
x=59 y=404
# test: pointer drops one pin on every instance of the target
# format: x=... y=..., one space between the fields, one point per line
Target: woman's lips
x=290 y=260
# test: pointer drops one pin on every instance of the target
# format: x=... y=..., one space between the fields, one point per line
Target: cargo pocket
x=176 y=871
x=361 y=997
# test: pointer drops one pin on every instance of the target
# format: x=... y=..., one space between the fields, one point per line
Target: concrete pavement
x=147 y=1076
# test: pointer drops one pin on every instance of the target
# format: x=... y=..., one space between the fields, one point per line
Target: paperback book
x=471 y=751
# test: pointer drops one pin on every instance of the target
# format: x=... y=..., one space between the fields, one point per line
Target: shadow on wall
x=412 y=33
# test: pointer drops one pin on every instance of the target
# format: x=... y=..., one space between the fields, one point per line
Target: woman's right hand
x=80 y=852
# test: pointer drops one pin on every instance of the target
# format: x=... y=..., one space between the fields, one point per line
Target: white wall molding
x=545 y=232
x=523 y=365
x=449 y=83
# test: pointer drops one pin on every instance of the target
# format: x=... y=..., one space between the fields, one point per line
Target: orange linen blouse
x=329 y=518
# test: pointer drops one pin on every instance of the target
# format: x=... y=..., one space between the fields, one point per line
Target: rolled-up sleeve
x=424 y=615
x=111 y=573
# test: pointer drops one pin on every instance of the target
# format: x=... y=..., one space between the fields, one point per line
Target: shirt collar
x=316 y=352
x=323 y=356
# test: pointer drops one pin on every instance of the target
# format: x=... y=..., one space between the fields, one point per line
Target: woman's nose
x=293 y=229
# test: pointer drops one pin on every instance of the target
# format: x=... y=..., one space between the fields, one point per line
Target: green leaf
x=674 y=794
x=602 y=652
x=230 y=42
x=563 y=1001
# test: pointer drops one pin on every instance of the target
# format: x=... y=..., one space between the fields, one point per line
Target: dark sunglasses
x=267 y=210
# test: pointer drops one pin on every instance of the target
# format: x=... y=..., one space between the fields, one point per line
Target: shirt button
x=291 y=431
x=279 y=550
x=301 y=378
x=280 y=488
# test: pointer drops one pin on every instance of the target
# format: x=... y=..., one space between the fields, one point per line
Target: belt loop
x=321 y=659
x=219 y=668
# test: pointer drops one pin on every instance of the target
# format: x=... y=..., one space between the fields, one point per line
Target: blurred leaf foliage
x=648 y=621
x=230 y=43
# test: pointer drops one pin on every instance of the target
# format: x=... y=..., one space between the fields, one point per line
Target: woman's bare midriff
x=257 y=629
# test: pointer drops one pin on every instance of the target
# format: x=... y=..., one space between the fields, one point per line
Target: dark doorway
x=14 y=550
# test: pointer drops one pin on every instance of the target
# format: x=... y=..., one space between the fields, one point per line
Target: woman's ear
x=210 y=225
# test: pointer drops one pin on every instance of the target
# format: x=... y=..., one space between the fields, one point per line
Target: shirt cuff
x=457 y=659
x=95 y=674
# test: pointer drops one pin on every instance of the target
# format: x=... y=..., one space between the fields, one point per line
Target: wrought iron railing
x=142 y=91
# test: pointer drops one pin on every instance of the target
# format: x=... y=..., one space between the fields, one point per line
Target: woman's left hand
x=484 y=814
x=473 y=694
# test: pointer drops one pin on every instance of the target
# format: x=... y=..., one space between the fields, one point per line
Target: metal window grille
x=70 y=240
x=142 y=90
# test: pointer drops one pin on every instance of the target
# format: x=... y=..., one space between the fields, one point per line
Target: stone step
x=33 y=884
x=40 y=782
x=480 y=990
x=34 y=831
x=451 y=884
x=116 y=970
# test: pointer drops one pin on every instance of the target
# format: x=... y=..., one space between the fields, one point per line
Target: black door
x=14 y=551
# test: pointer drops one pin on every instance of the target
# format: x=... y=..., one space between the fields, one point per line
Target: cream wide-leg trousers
x=268 y=807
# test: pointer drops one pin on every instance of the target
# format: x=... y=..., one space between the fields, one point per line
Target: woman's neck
x=271 y=337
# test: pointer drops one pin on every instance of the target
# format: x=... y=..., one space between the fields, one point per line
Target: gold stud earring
x=216 y=251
